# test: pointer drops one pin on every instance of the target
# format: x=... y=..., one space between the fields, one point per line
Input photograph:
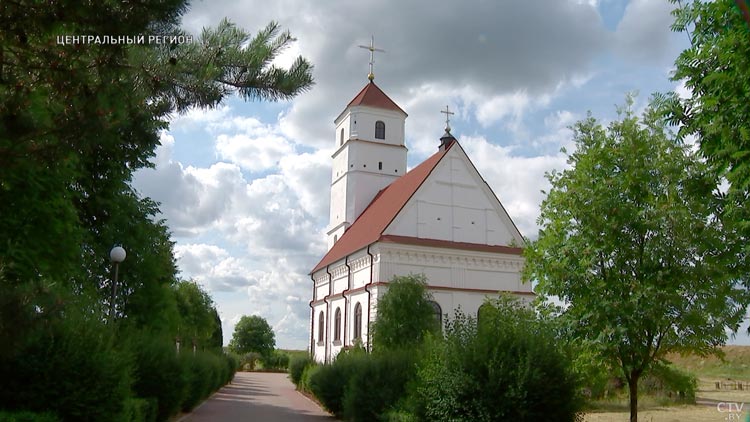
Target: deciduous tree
x=632 y=240
x=716 y=70
x=253 y=334
x=405 y=314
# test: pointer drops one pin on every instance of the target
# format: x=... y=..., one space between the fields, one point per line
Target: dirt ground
x=673 y=414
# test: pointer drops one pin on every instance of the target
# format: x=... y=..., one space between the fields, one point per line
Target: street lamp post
x=116 y=255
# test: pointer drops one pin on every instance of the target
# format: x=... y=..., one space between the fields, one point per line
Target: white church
x=440 y=219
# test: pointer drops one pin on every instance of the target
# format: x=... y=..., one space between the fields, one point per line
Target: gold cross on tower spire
x=372 y=49
x=448 y=115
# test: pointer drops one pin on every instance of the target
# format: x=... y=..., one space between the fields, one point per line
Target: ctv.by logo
x=733 y=411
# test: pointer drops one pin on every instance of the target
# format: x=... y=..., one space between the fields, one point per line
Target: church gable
x=455 y=204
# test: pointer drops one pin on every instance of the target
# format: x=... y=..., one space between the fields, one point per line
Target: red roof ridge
x=371 y=95
x=381 y=211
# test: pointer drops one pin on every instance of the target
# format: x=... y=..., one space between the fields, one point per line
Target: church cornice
x=409 y=254
x=355 y=140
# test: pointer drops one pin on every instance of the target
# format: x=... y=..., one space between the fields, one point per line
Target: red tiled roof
x=368 y=227
x=373 y=96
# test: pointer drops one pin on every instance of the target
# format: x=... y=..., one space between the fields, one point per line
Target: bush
x=201 y=373
x=232 y=364
x=71 y=370
x=329 y=382
x=249 y=361
x=297 y=367
x=668 y=381
x=309 y=372
x=159 y=374
x=594 y=375
x=276 y=360
x=377 y=384
x=507 y=368
x=139 y=410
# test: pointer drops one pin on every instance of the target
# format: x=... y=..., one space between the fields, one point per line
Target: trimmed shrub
x=200 y=372
x=377 y=384
x=139 y=410
x=297 y=367
x=232 y=365
x=507 y=369
x=328 y=382
x=159 y=375
x=72 y=370
x=309 y=372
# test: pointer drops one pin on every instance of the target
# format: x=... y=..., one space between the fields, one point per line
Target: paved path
x=258 y=396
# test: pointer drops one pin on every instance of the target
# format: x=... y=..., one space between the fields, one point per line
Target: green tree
x=405 y=314
x=716 y=70
x=253 y=334
x=198 y=316
x=633 y=241
x=76 y=120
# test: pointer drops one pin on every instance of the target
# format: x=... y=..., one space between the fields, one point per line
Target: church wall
x=340 y=279
x=362 y=124
x=321 y=291
x=335 y=345
x=454 y=204
x=319 y=346
x=493 y=280
x=361 y=298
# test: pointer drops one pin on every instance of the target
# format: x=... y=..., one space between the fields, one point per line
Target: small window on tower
x=335 y=238
x=341 y=138
x=380 y=165
x=379 y=130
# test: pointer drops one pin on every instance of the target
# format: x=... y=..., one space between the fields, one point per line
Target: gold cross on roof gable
x=372 y=49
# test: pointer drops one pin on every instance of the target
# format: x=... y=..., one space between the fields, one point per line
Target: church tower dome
x=370 y=154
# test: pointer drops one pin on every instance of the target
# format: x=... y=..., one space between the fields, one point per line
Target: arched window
x=321 y=326
x=341 y=138
x=335 y=238
x=358 y=321
x=379 y=130
x=438 y=313
x=337 y=325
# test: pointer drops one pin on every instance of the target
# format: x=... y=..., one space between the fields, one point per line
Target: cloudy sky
x=245 y=187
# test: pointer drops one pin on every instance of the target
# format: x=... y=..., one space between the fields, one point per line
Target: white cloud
x=642 y=34
x=253 y=153
x=517 y=181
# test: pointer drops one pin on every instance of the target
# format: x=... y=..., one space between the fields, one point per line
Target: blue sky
x=245 y=187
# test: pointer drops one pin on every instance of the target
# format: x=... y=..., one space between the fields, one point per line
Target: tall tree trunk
x=633 y=386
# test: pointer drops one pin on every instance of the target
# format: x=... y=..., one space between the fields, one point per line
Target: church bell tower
x=370 y=154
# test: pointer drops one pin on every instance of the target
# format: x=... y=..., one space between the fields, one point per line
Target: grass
x=734 y=365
